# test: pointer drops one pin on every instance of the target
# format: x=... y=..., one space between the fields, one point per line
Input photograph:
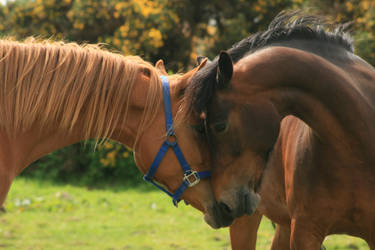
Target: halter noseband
x=191 y=177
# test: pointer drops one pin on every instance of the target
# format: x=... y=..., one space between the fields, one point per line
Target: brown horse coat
x=319 y=176
x=53 y=94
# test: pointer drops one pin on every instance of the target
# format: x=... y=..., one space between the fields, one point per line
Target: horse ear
x=184 y=80
x=200 y=59
x=202 y=63
x=160 y=67
x=224 y=70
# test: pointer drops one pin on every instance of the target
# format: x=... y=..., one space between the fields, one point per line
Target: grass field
x=44 y=215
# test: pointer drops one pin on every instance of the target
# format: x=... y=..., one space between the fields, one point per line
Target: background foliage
x=174 y=30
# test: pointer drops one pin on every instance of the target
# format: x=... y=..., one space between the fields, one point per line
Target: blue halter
x=191 y=177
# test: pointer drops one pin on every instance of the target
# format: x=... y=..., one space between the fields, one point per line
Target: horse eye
x=221 y=127
x=199 y=128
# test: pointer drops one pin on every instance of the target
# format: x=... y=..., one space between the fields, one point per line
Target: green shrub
x=86 y=164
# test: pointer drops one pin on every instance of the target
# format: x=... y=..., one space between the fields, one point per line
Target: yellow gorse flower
x=156 y=36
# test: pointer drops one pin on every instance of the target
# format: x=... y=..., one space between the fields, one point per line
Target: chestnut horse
x=54 y=94
x=289 y=113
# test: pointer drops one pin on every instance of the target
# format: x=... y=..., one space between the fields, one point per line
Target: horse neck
x=307 y=86
x=26 y=147
x=42 y=138
x=55 y=97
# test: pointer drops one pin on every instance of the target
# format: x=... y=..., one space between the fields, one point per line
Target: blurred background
x=173 y=30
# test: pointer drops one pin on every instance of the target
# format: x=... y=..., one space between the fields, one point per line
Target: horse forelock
x=57 y=84
x=200 y=89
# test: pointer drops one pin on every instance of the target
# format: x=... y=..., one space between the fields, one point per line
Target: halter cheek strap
x=191 y=177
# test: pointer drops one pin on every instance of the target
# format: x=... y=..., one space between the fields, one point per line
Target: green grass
x=44 y=215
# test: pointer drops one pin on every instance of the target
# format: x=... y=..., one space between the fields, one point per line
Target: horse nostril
x=225 y=208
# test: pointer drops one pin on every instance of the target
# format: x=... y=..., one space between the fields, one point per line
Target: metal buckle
x=171 y=138
x=192 y=178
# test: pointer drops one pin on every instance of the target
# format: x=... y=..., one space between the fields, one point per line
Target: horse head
x=161 y=149
x=240 y=134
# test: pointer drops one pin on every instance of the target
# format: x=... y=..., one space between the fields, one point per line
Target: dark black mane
x=284 y=27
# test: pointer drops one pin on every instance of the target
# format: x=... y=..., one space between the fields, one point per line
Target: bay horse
x=289 y=115
x=54 y=94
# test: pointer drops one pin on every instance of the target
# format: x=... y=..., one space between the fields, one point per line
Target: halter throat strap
x=191 y=177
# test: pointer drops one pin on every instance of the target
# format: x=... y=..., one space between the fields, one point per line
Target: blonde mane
x=56 y=84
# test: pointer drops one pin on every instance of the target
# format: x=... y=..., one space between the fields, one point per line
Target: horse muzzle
x=217 y=216
x=232 y=206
